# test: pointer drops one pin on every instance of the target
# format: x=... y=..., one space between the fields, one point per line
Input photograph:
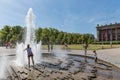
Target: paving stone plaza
x=72 y=67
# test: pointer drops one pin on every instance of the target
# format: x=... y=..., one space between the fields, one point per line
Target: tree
x=79 y=40
x=17 y=34
x=91 y=38
x=69 y=38
x=45 y=36
x=64 y=39
x=53 y=34
x=38 y=34
x=5 y=33
x=59 y=38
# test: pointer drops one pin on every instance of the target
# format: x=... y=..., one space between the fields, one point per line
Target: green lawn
x=80 y=46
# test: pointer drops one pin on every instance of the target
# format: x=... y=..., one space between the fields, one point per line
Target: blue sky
x=80 y=16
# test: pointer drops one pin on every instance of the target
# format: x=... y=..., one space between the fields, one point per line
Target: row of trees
x=59 y=37
x=12 y=34
x=46 y=35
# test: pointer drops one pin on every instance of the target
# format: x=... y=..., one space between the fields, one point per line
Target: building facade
x=109 y=32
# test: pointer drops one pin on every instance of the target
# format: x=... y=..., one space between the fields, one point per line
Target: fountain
x=59 y=53
x=3 y=63
x=61 y=66
x=30 y=39
x=30 y=32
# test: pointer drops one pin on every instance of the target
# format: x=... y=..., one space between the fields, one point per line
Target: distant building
x=109 y=32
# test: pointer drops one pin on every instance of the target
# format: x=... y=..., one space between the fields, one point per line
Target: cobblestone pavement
x=109 y=55
x=48 y=70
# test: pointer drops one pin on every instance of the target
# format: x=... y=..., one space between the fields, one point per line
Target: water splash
x=3 y=66
x=21 y=55
x=36 y=48
x=30 y=32
x=59 y=53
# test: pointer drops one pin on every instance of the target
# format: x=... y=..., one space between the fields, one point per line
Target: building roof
x=107 y=26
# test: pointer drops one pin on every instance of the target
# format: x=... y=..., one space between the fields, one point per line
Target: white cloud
x=91 y=20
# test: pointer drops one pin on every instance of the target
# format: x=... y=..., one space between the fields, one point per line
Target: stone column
x=106 y=35
x=111 y=38
x=102 y=33
x=98 y=35
x=116 y=36
x=111 y=35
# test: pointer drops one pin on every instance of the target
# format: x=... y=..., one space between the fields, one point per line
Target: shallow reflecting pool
x=72 y=67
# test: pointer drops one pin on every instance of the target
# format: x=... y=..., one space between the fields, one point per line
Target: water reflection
x=71 y=68
x=98 y=70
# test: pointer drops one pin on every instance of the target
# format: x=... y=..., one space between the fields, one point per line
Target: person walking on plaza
x=66 y=46
x=30 y=55
x=85 y=45
x=48 y=47
x=51 y=47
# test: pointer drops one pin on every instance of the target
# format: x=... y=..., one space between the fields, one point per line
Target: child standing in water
x=95 y=55
x=30 y=55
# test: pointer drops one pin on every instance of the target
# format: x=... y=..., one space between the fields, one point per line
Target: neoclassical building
x=109 y=32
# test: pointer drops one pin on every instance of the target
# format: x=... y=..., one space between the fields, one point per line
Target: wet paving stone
x=61 y=69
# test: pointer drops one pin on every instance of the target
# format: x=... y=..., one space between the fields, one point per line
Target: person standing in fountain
x=30 y=55
x=95 y=56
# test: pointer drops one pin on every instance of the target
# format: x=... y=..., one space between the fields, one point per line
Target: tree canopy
x=12 y=34
x=46 y=35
